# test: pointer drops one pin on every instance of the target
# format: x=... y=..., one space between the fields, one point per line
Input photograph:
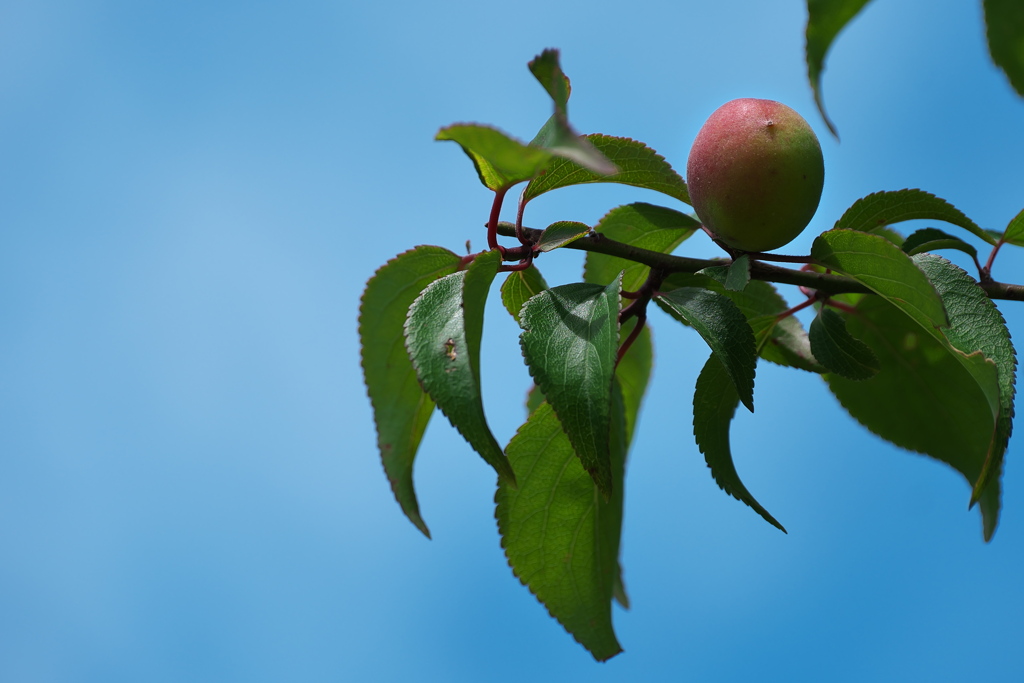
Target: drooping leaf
x=561 y=233
x=570 y=341
x=932 y=239
x=501 y=161
x=976 y=325
x=718 y=320
x=783 y=342
x=519 y=286
x=443 y=334
x=714 y=405
x=884 y=268
x=557 y=134
x=638 y=165
x=1004 y=21
x=560 y=534
x=733 y=277
x=1014 y=233
x=922 y=399
x=841 y=353
x=825 y=19
x=401 y=409
x=638 y=225
x=885 y=208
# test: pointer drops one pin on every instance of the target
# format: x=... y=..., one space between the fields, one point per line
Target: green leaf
x=546 y=69
x=557 y=135
x=838 y=351
x=570 y=343
x=883 y=267
x=825 y=19
x=880 y=265
x=519 y=286
x=1015 y=230
x=923 y=399
x=560 y=234
x=783 y=342
x=560 y=535
x=884 y=208
x=976 y=325
x=638 y=225
x=638 y=166
x=723 y=327
x=401 y=409
x=733 y=277
x=443 y=333
x=501 y=161
x=1004 y=21
x=931 y=239
x=714 y=404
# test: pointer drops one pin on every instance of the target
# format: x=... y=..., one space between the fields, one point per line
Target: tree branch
x=759 y=270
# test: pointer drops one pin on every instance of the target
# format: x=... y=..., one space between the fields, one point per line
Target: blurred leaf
x=733 y=277
x=570 y=342
x=825 y=19
x=885 y=208
x=885 y=269
x=500 y=160
x=931 y=239
x=534 y=397
x=1004 y=21
x=560 y=234
x=401 y=409
x=723 y=327
x=546 y=69
x=639 y=225
x=638 y=166
x=783 y=342
x=443 y=333
x=841 y=353
x=557 y=134
x=714 y=405
x=976 y=325
x=560 y=535
x=519 y=286
x=922 y=399
x=1015 y=230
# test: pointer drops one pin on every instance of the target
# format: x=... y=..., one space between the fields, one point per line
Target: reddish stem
x=986 y=272
x=641 y=319
x=492 y=223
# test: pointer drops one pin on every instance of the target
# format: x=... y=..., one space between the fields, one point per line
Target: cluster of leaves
x=912 y=346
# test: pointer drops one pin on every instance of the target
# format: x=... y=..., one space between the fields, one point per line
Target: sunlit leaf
x=885 y=208
x=443 y=334
x=560 y=234
x=519 y=286
x=638 y=165
x=1014 y=233
x=570 y=342
x=401 y=409
x=639 y=225
x=714 y=404
x=501 y=161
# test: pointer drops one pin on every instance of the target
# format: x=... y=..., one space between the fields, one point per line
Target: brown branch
x=826 y=283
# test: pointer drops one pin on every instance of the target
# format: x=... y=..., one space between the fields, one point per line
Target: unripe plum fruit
x=755 y=174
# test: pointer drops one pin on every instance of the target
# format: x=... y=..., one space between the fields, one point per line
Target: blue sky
x=191 y=198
